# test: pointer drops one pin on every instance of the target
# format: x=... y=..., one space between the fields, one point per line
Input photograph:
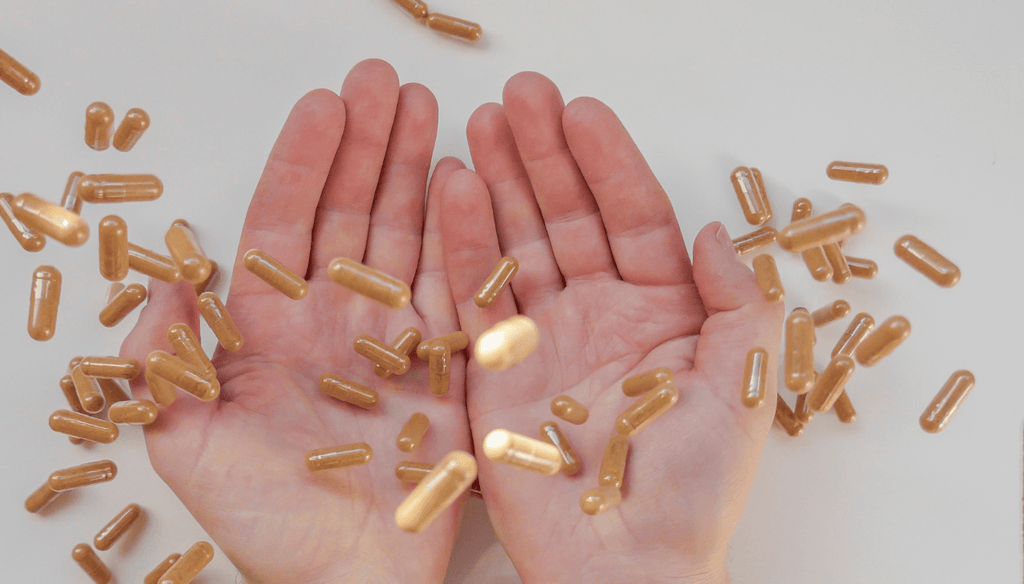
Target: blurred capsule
x=28 y=240
x=506 y=343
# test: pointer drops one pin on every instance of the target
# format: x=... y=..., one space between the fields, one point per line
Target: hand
x=605 y=274
x=347 y=177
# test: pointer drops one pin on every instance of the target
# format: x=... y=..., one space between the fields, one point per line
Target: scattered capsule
x=274 y=273
x=643 y=382
x=113 y=237
x=862 y=267
x=204 y=285
x=90 y=395
x=817 y=263
x=40 y=498
x=655 y=403
x=923 y=258
x=381 y=354
x=439 y=358
x=599 y=500
x=830 y=227
x=412 y=472
x=495 y=283
x=91 y=563
x=51 y=220
x=152 y=264
x=455 y=27
x=830 y=312
x=522 y=451
x=841 y=272
x=750 y=191
x=436 y=491
x=184 y=375
x=785 y=417
x=339 y=456
x=186 y=346
x=407 y=341
x=112 y=531
x=844 y=408
x=755 y=378
x=119 y=188
x=17 y=75
x=801 y=412
x=135 y=122
x=83 y=426
x=552 y=434
x=110 y=367
x=133 y=412
x=506 y=343
x=189 y=564
x=28 y=240
x=43 y=303
x=799 y=360
x=99 y=125
x=184 y=246
x=613 y=465
x=416 y=8
x=112 y=390
x=82 y=475
x=220 y=321
x=768 y=280
x=802 y=209
x=858 y=172
x=67 y=386
x=71 y=201
x=154 y=576
x=412 y=432
x=947 y=401
x=755 y=240
x=830 y=383
x=569 y=409
x=370 y=283
x=456 y=341
x=882 y=341
x=164 y=392
x=123 y=303
x=859 y=327
x=112 y=291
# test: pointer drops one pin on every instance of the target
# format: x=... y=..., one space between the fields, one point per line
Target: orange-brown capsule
x=755 y=378
x=28 y=240
x=203 y=286
x=802 y=209
x=522 y=451
x=74 y=362
x=786 y=418
x=416 y=8
x=569 y=409
x=858 y=172
x=111 y=367
x=830 y=312
x=134 y=412
x=112 y=390
x=599 y=500
x=154 y=576
x=119 y=188
x=164 y=392
x=801 y=412
x=184 y=246
x=412 y=472
x=862 y=267
x=385 y=356
x=135 y=122
x=83 y=426
x=152 y=264
x=113 y=236
x=799 y=360
x=436 y=491
x=43 y=302
x=750 y=191
x=613 y=465
x=370 y=283
x=90 y=395
x=830 y=383
x=274 y=273
x=495 y=283
x=455 y=27
x=67 y=386
x=17 y=75
x=844 y=409
x=407 y=341
x=768 y=280
x=50 y=220
x=220 y=321
x=186 y=346
x=755 y=240
x=858 y=328
x=181 y=374
x=841 y=273
x=643 y=382
x=71 y=201
x=947 y=401
x=91 y=563
x=456 y=341
x=440 y=359
x=882 y=341
x=817 y=263
x=923 y=258
x=122 y=304
x=412 y=432
x=40 y=498
x=506 y=343
x=831 y=227
x=646 y=410
x=552 y=434
x=82 y=475
x=339 y=456
x=189 y=564
x=112 y=531
x=348 y=391
x=99 y=125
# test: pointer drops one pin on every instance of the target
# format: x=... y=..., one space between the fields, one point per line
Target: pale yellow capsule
x=371 y=283
x=859 y=327
x=412 y=472
x=50 y=220
x=755 y=378
x=436 y=491
x=189 y=564
x=133 y=412
x=135 y=122
x=646 y=410
x=552 y=434
x=862 y=267
x=274 y=273
x=830 y=312
x=339 y=456
x=830 y=383
x=495 y=283
x=121 y=305
x=99 y=125
x=412 y=433
x=569 y=409
x=522 y=451
x=184 y=246
x=799 y=360
x=599 y=500
x=613 y=464
x=223 y=326
x=506 y=343
x=768 y=279
x=117 y=527
x=641 y=383
x=785 y=417
x=455 y=27
x=947 y=401
x=18 y=76
x=28 y=240
x=882 y=341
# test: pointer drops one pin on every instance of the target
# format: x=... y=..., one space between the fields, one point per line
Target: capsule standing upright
x=371 y=283
x=135 y=122
x=755 y=378
x=43 y=303
x=799 y=359
x=750 y=192
x=113 y=237
x=99 y=121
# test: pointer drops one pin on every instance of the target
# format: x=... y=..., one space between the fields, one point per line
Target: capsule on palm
x=412 y=433
x=274 y=273
x=406 y=341
x=552 y=434
x=183 y=375
x=601 y=499
x=506 y=343
x=412 y=472
x=347 y=391
x=186 y=346
x=522 y=451
x=223 y=326
x=339 y=456
x=655 y=403
x=495 y=283
x=381 y=354
x=755 y=378
x=569 y=409
x=641 y=383
x=613 y=464
x=923 y=258
x=371 y=283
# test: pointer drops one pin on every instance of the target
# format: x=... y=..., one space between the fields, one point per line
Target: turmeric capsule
x=799 y=361
x=274 y=273
x=495 y=283
x=643 y=382
x=817 y=263
x=50 y=220
x=135 y=122
x=412 y=432
x=181 y=374
x=40 y=498
x=412 y=472
x=122 y=304
x=416 y=8
x=785 y=417
x=768 y=280
x=189 y=564
x=455 y=27
x=90 y=395
x=506 y=343
x=755 y=376
x=164 y=392
x=43 y=302
x=204 y=285
x=71 y=201
x=17 y=75
x=802 y=209
x=133 y=412
x=750 y=191
x=858 y=172
x=91 y=563
x=348 y=391
x=859 y=327
x=569 y=409
x=613 y=465
x=645 y=411
x=112 y=390
x=370 y=283
x=99 y=125
x=841 y=273
x=339 y=456
x=154 y=576
x=882 y=341
x=112 y=531
x=184 y=246
x=381 y=354
x=83 y=426
x=436 y=491
x=456 y=341
x=830 y=383
x=114 y=289
x=440 y=357
x=844 y=409
x=152 y=264
x=552 y=434
x=28 y=240
x=186 y=346
x=67 y=386
x=82 y=475
x=923 y=258
x=522 y=451
x=111 y=367
x=947 y=401
x=830 y=312
x=220 y=321
x=119 y=188
x=831 y=227
x=599 y=500
x=113 y=236
x=862 y=267
x=801 y=412
x=407 y=341
x=755 y=240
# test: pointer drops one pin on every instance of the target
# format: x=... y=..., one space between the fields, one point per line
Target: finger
x=520 y=225
x=370 y=94
x=431 y=295
x=642 y=229
x=280 y=216
x=571 y=216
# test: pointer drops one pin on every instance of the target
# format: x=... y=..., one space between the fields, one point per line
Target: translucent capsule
x=111 y=367
x=381 y=354
x=799 y=359
x=455 y=27
x=83 y=426
x=122 y=304
x=751 y=194
x=220 y=321
x=164 y=392
x=755 y=378
x=202 y=286
x=817 y=263
x=113 y=290
x=184 y=375
x=407 y=341
x=274 y=273
x=71 y=201
x=862 y=267
x=50 y=220
x=185 y=251
x=801 y=412
x=91 y=563
x=40 y=498
x=28 y=240
x=755 y=240
x=99 y=125
x=339 y=456
x=830 y=383
x=882 y=341
x=844 y=409
x=119 y=188
x=440 y=360
x=412 y=472
x=841 y=273
x=646 y=410
x=82 y=475
x=416 y=8
x=506 y=343
x=831 y=227
x=569 y=409
x=599 y=500
x=90 y=395
x=456 y=341
x=923 y=258
x=67 y=386
x=858 y=172
x=495 y=283
x=522 y=451
x=947 y=401
x=133 y=412
x=17 y=75
x=613 y=464
x=643 y=382
x=802 y=209
x=768 y=280
x=135 y=122
x=113 y=236
x=154 y=576
x=784 y=417
x=412 y=433
x=830 y=312
x=152 y=264
x=74 y=362
x=436 y=491
x=43 y=303
x=348 y=391
x=370 y=283
x=189 y=564
x=858 y=328
x=552 y=434
x=112 y=531
x=186 y=346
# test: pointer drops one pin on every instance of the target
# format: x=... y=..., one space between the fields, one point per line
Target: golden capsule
x=755 y=240
x=858 y=328
x=112 y=531
x=923 y=258
x=339 y=456
x=506 y=343
x=613 y=465
x=412 y=472
x=119 y=188
x=755 y=378
x=440 y=357
x=370 y=283
x=947 y=401
x=801 y=412
x=274 y=273
x=83 y=426
x=50 y=220
x=71 y=201
x=220 y=321
x=82 y=475
x=750 y=191
x=768 y=280
x=164 y=392
x=28 y=240
x=646 y=410
x=522 y=451
x=43 y=303
x=407 y=341
x=830 y=383
x=412 y=432
x=67 y=386
x=90 y=395
x=74 y=362
x=552 y=434
x=799 y=360
x=858 y=172
x=862 y=267
x=204 y=285
x=599 y=500
x=91 y=563
x=830 y=312
x=152 y=264
x=184 y=246
x=882 y=341
x=643 y=382
x=183 y=375
x=133 y=412
x=841 y=273
x=189 y=564
x=113 y=236
x=495 y=283
x=381 y=354
x=154 y=576
x=135 y=122
x=844 y=409
x=112 y=390
x=830 y=227
x=416 y=8
x=122 y=304
x=569 y=409
x=186 y=346
x=99 y=125
x=17 y=75
x=455 y=27
x=40 y=498
x=111 y=367
x=348 y=391
x=436 y=491
x=456 y=341
x=785 y=417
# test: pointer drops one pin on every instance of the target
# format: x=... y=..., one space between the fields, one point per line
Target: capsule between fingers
x=99 y=123
x=755 y=377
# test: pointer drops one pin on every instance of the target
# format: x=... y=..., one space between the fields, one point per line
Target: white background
x=934 y=90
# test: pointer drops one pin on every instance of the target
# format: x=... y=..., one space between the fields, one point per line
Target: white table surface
x=934 y=90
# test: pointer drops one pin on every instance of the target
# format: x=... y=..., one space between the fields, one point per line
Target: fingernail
x=723 y=236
